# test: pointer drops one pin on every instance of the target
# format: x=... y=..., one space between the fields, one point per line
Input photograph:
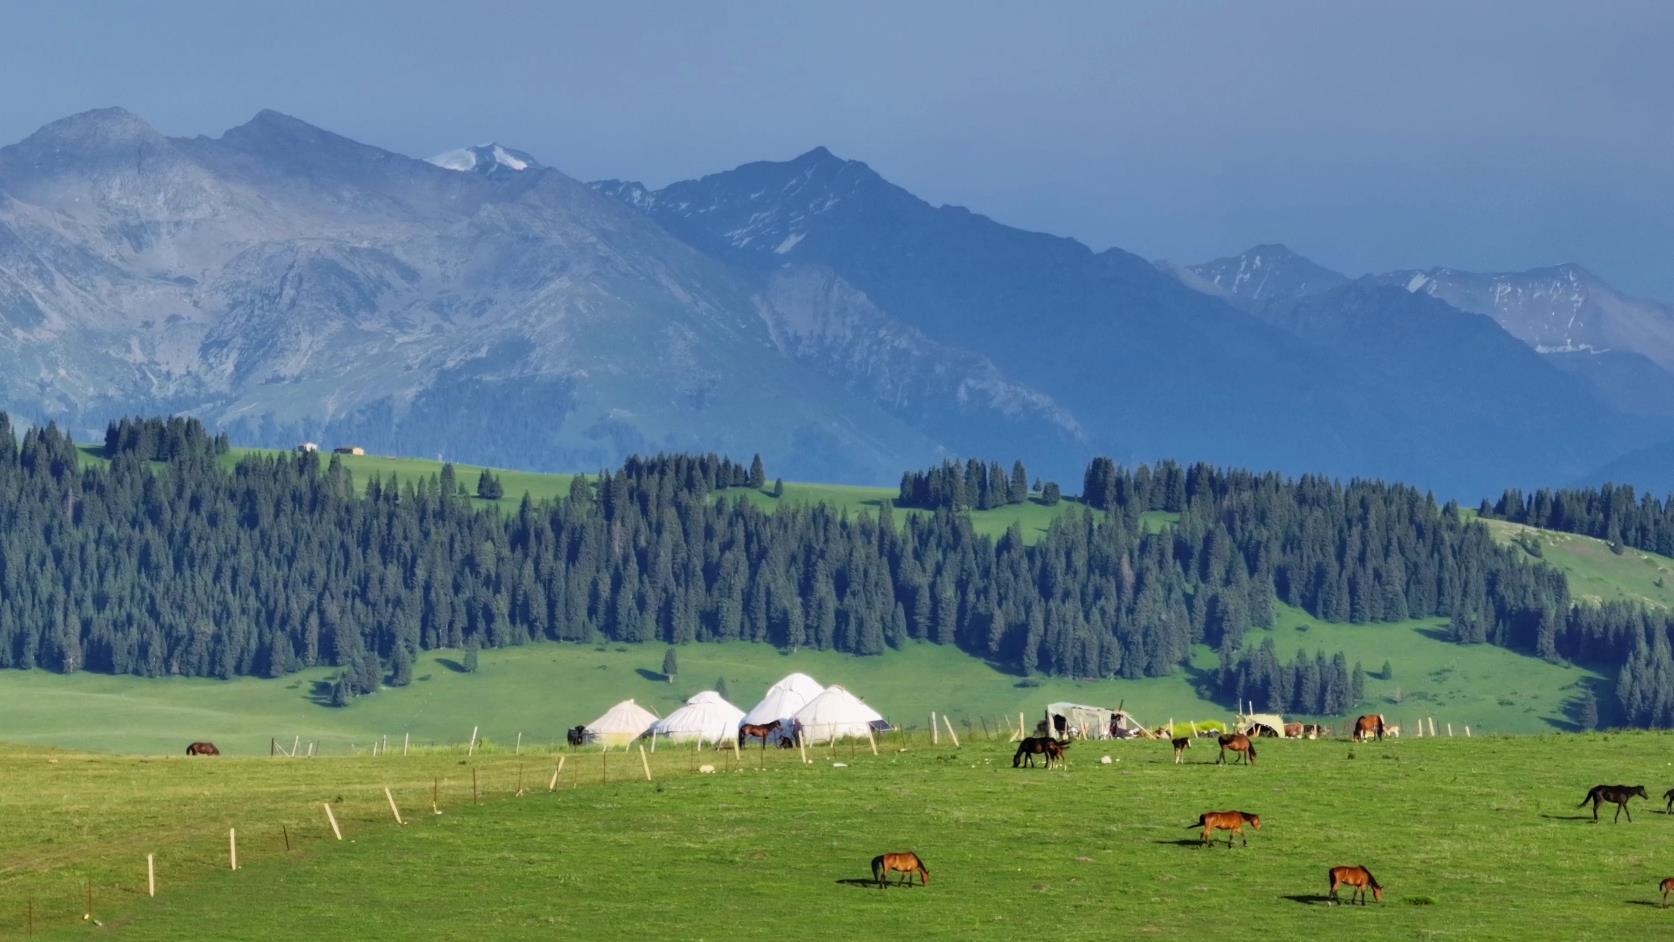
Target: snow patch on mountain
x=483 y=158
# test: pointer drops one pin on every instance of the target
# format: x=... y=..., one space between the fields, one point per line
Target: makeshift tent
x=621 y=724
x=707 y=717
x=1080 y=721
x=783 y=699
x=835 y=714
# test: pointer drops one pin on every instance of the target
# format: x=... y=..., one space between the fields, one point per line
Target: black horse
x=577 y=735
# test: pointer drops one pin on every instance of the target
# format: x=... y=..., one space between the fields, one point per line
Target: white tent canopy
x=706 y=717
x=784 y=699
x=621 y=724
x=835 y=714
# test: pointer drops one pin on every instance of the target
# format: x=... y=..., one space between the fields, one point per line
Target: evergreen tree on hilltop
x=1588 y=718
x=489 y=486
x=778 y=488
x=472 y=648
x=671 y=665
x=1019 y=490
x=758 y=474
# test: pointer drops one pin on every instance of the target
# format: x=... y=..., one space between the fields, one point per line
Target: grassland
x=1476 y=839
x=1596 y=573
x=539 y=690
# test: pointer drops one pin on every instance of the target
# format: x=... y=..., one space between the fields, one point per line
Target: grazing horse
x=1239 y=743
x=905 y=863
x=1032 y=746
x=1180 y=747
x=764 y=730
x=1293 y=730
x=1599 y=794
x=1315 y=731
x=577 y=735
x=1667 y=887
x=202 y=749
x=1360 y=879
x=1232 y=822
x=1392 y=731
x=1367 y=725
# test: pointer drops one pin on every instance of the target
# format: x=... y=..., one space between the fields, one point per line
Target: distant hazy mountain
x=290 y=283
x=1265 y=273
x=1555 y=310
x=286 y=283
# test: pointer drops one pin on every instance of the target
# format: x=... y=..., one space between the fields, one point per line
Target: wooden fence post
x=406 y=739
x=296 y=743
x=392 y=809
x=871 y=739
x=645 y=762
x=654 y=739
x=1022 y=731
x=473 y=749
x=333 y=819
x=950 y=732
x=1450 y=729
x=520 y=781
x=272 y=747
x=802 y=747
x=604 y=765
x=935 y=734
x=150 y=874
x=232 y=848
x=475 y=799
x=285 y=832
x=1432 y=726
x=557 y=770
x=517 y=750
x=1467 y=730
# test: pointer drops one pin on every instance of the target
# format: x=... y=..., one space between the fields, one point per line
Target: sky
x=1368 y=136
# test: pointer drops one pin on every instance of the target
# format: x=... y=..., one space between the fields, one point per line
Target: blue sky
x=1369 y=136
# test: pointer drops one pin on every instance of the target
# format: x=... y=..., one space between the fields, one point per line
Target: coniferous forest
x=166 y=563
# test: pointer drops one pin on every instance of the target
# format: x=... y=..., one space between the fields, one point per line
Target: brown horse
x=1239 y=743
x=1367 y=725
x=1232 y=822
x=1293 y=730
x=1667 y=887
x=1599 y=794
x=1360 y=879
x=202 y=749
x=1670 y=796
x=764 y=730
x=905 y=863
x=1032 y=746
x=1180 y=746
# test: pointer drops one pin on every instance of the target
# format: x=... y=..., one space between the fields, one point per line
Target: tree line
x=286 y=562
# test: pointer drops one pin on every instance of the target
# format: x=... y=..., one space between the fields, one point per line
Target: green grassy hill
x=540 y=690
x=1476 y=839
x=1596 y=573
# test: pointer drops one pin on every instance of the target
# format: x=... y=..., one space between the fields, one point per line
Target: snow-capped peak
x=484 y=158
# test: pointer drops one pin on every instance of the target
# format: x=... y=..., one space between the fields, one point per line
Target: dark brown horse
x=1180 y=747
x=763 y=730
x=1667 y=887
x=1367 y=725
x=1599 y=794
x=1670 y=796
x=1232 y=822
x=1239 y=743
x=1032 y=746
x=202 y=749
x=577 y=735
x=905 y=863
x=1262 y=730
x=1359 y=879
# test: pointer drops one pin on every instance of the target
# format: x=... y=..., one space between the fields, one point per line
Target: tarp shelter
x=835 y=714
x=707 y=717
x=1090 y=722
x=784 y=699
x=621 y=724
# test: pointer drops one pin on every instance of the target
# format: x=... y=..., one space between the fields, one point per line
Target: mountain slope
x=286 y=282
x=1559 y=309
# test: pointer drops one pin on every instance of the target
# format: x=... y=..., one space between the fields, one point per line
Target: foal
x=1185 y=742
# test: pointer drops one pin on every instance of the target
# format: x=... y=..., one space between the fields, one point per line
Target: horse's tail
x=1252 y=752
x=878 y=868
x=1589 y=797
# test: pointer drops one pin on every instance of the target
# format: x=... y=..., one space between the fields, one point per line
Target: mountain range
x=286 y=283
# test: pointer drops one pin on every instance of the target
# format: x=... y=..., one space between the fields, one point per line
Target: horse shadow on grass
x=1643 y=902
x=1309 y=899
x=870 y=884
x=1567 y=817
x=1182 y=842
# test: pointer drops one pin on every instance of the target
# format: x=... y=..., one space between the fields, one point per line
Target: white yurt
x=784 y=699
x=835 y=714
x=706 y=717
x=621 y=724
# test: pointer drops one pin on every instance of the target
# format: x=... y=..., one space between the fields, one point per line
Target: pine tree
x=401 y=667
x=471 y=647
x=671 y=665
x=1588 y=719
x=1388 y=672
x=1357 y=685
x=778 y=488
x=758 y=474
x=1019 y=491
x=1049 y=494
x=489 y=486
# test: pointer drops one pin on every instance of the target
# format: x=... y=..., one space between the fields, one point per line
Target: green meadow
x=1472 y=839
